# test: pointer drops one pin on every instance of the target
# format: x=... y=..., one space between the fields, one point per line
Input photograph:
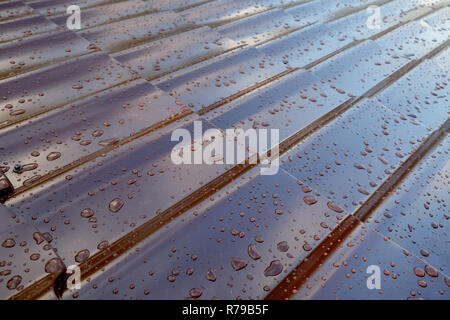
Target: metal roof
x=86 y=118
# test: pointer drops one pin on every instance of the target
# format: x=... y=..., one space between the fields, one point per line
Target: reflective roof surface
x=357 y=91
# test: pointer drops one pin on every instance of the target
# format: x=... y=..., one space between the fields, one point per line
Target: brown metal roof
x=86 y=118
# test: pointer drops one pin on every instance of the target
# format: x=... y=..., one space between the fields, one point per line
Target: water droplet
x=422 y=283
x=195 y=293
x=432 y=272
x=238 y=264
x=419 y=272
x=253 y=253
x=97 y=133
x=87 y=213
x=53 y=156
x=275 y=267
x=283 y=246
x=211 y=275
x=8 y=243
x=35 y=256
x=82 y=256
x=115 y=205
x=54 y=265
x=14 y=282
x=103 y=245
x=334 y=207
x=37 y=236
x=310 y=200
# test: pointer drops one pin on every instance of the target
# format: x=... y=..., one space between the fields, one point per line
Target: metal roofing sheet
x=344 y=275
x=349 y=158
x=325 y=10
x=415 y=215
x=96 y=199
x=219 y=12
x=131 y=32
x=24 y=27
x=26 y=255
x=443 y=60
x=222 y=76
x=86 y=145
x=108 y=13
x=13 y=9
x=39 y=51
x=413 y=40
x=170 y=54
x=175 y=4
x=422 y=102
x=81 y=130
x=39 y=91
x=304 y=47
x=359 y=68
x=260 y=28
x=238 y=244
x=280 y=105
x=52 y=7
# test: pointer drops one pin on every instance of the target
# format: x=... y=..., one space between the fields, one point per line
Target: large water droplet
x=274 y=268
x=54 y=265
x=334 y=207
x=8 y=243
x=195 y=293
x=115 y=205
x=310 y=200
x=87 y=213
x=211 y=275
x=238 y=264
x=82 y=256
x=253 y=253
x=283 y=246
x=14 y=282
x=53 y=156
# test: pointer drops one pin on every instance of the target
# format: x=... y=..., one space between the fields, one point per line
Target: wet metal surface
x=96 y=123
x=60 y=46
x=290 y=104
x=26 y=255
x=349 y=158
x=41 y=90
x=108 y=13
x=260 y=28
x=421 y=102
x=86 y=123
x=24 y=27
x=13 y=9
x=305 y=46
x=414 y=39
x=173 y=53
x=358 y=69
x=344 y=275
x=416 y=214
x=244 y=239
x=96 y=199
x=131 y=32
x=222 y=77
